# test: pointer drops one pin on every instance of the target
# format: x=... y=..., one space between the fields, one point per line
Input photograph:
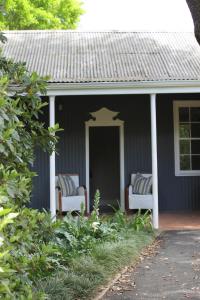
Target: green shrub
x=80 y=234
x=86 y=272
x=119 y=220
x=29 y=252
x=33 y=247
x=142 y=221
x=76 y=235
x=13 y=285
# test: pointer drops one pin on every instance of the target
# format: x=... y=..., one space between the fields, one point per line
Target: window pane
x=183 y=114
x=195 y=114
x=196 y=162
x=184 y=130
x=195 y=147
x=185 y=162
x=195 y=130
x=185 y=147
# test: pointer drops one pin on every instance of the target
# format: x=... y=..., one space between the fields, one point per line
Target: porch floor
x=178 y=221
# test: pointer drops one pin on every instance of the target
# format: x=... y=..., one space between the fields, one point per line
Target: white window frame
x=176 y=106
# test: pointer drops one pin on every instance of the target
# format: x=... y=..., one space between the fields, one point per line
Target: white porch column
x=52 y=160
x=87 y=165
x=154 y=159
x=122 y=202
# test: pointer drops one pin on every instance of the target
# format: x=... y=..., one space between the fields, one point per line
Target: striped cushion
x=67 y=185
x=142 y=185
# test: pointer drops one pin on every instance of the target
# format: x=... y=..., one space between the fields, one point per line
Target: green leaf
x=4 y=211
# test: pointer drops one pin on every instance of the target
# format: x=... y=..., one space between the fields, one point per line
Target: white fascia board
x=105 y=88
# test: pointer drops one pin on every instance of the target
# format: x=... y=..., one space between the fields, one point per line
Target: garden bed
x=88 y=272
x=69 y=258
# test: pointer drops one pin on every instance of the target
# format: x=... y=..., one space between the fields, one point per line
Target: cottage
x=128 y=102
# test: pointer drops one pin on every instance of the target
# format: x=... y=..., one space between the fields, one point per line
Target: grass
x=87 y=272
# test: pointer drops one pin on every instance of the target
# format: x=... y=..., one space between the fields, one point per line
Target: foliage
x=20 y=130
x=119 y=219
x=139 y=222
x=79 y=234
x=142 y=221
x=95 y=212
x=14 y=281
x=33 y=247
x=27 y=246
x=32 y=236
x=86 y=272
x=29 y=252
x=37 y=14
x=14 y=186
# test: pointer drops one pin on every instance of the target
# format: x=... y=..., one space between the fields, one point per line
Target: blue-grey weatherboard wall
x=176 y=193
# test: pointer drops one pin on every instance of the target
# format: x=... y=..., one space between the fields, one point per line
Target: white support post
x=122 y=202
x=154 y=160
x=87 y=166
x=52 y=160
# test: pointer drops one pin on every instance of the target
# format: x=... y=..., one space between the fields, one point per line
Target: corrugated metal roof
x=73 y=57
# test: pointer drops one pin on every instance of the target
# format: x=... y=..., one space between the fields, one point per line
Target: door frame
x=105 y=118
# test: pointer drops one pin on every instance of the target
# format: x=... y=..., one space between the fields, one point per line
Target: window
x=187 y=137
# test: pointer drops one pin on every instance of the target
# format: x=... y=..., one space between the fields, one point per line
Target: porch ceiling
x=107 y=57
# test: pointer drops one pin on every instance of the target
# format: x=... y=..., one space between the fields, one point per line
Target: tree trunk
x=194 y=6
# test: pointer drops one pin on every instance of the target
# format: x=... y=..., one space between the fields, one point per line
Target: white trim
x=52 y=161
x=120 y=88
x=104 y=117
x=154 y=160
x=176 y=105
x=114 y=88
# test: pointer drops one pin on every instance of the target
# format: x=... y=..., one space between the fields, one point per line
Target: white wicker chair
x=137 y=201
x=71 y=203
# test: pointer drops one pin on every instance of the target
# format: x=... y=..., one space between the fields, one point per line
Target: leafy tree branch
x=40 y=14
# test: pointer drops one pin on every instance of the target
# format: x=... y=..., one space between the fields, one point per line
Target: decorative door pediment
x=104 y=117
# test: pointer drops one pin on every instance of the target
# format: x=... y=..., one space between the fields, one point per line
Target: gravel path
x=173 y=273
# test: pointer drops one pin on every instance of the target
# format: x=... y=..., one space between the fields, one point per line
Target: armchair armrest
x=130 y=189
